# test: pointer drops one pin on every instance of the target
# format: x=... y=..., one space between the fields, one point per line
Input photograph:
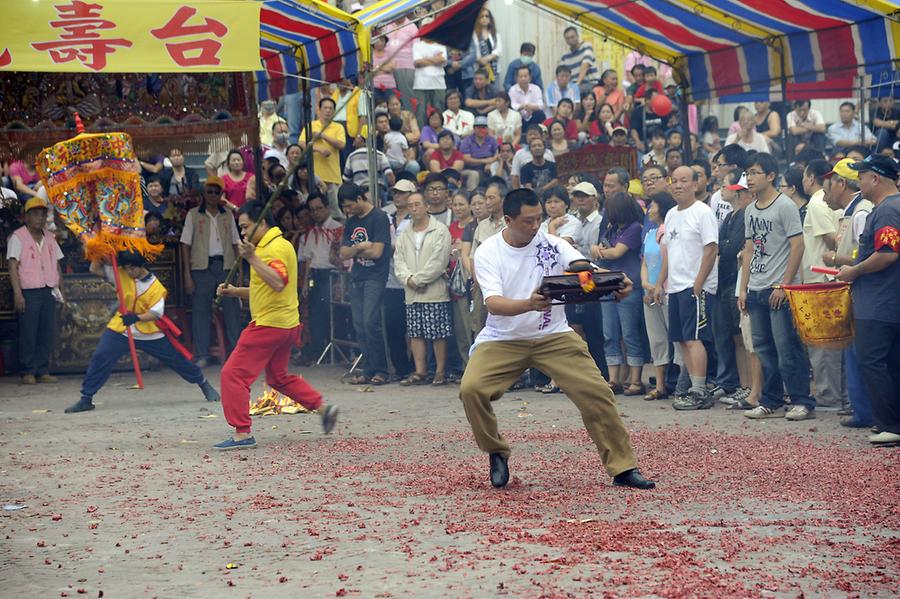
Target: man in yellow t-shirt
x=327 y=149
x=273 y=330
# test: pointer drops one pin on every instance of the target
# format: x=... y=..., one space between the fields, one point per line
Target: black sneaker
x=695 y=401
x=209 y=392
x=83 y=405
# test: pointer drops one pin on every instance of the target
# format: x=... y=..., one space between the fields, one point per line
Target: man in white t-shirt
x=690 y=276
x=429 y=85
x=524 y=330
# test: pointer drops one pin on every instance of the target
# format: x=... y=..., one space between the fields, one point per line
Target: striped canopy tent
x=753 y=49
x=304 y=37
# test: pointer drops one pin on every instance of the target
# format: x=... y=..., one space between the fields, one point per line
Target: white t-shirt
x=571 y=228
x=431 y=76
x=720 y=207
x=395 y=144
x=687 y=233
x=820 y=220
x=515 y=273
x=504 y=128
x=523 y=156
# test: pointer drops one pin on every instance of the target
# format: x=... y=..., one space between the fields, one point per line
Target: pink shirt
x=519 y=98
x=236 y=191
x=382 y=80
x=403 y=59
x=18 y=169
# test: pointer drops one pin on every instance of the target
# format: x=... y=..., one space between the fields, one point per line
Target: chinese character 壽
x=80 y=39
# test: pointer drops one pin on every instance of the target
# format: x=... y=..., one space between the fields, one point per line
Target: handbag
x=459 y=282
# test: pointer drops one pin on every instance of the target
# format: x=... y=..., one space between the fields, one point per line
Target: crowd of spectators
x=708 y=241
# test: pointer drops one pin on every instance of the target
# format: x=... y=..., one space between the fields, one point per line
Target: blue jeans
x=780 y=352
x=366 y=301
x=878 y=349
x=856 y=389
x=293 y=114
x=725 y=324
x=623 y=319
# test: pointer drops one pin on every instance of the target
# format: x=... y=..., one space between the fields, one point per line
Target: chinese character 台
x=183 y=52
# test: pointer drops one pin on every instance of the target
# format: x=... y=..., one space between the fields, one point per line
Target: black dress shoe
x=83 y=405
x=852 y=422
x=499 y=470
x=209 y=392
x=633 y=478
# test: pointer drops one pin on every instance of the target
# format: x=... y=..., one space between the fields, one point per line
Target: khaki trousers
x=495 y=365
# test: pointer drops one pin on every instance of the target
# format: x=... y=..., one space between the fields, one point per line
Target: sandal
x=414 y=379
x=656 y=394
x=378 y=379
x=550 y=388
x=359 y=379
x=439 y=380
x=616 y=388
x=638 y=389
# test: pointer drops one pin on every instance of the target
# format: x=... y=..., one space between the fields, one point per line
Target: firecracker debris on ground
x=130 y=501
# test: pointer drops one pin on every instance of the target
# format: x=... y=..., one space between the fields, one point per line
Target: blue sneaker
x=229 y=444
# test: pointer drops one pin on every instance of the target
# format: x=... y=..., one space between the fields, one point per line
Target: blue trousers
x=37 y=328
x=856 y=389
x=366 y=300
x=114 y=345
x=780 y=353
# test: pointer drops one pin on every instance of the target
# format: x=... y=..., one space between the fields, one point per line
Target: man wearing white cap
x=34 y=273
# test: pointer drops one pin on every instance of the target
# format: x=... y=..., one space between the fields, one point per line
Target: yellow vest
x=137 y=304
x=270 y=308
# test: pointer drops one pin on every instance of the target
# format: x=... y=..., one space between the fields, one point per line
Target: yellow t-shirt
x=327 y=168
x=270 y=308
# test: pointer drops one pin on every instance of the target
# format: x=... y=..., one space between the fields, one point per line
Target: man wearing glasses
x=771 y=259
x=209 y=245
x=437 y=197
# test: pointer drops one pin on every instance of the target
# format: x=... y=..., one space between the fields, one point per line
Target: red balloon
x=661 y=105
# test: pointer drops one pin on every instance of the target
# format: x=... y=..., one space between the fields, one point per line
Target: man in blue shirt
x=526 y=59
x=562 y=88
x=876 y=279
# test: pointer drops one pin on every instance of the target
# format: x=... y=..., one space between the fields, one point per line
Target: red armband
x=887 y=237
x=279 y=267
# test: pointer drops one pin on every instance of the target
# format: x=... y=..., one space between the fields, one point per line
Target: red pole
x=134 y=360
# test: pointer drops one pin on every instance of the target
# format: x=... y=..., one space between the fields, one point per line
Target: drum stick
x=824 y=270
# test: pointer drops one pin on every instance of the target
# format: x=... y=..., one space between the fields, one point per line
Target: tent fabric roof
x=294 y=33
x=731 y=48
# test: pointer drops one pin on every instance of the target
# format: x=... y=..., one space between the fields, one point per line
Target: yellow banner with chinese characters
x=130 y=36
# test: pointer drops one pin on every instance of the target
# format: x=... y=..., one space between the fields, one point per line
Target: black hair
x=850 y=104
x=228 y=158
x=131 y=258
x=563 y=69
x=519 y=69
x=566 y=101
x=534 y=128
x=818 y=169
x=451 y=173
x=621 y=174
x=527 y=47
x=766 y=162
x=254 y=209
x=435 y=178
x=317 y=195
x=279 y=122
x=738 y=111
x=656 y=132
x=621 y=210
x=514 y=200
x=498 y=182
x=673 y=131
x=350 y=191
x=801 y=103
x=808 y=154
x=794 y=177
x=395 y=123
x=637 y=67
x=282 y=212
x=606 y=74
x=507 y=143
x=704 y=164
x=710 y=125
x=153 y=179
x=664 y=201
x=861 y=149
x=662 y=169
x=672 y=151
x=444 y=133
x=450 y=94
x=734 y=154
x=557 y=191
x=502 y=95
x=570 y=28
x=649 y=70
x=481 y=72
x=327 y=99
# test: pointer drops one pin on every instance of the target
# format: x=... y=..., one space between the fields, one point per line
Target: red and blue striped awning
x=298 y=33
x=737 y=48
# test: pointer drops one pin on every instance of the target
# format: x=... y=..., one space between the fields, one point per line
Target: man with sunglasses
x=209 y=245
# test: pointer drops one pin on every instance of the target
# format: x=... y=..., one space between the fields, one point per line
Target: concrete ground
x=130 y=501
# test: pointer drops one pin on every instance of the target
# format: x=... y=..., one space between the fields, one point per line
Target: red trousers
x=258 y=348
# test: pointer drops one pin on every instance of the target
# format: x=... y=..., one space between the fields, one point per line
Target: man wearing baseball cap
x=34 y=273
x=842 y=195
x=876 y=279
x=209 y=245
x=479 y=153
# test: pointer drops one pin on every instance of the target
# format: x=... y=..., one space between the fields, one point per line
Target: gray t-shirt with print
x=769 y=230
